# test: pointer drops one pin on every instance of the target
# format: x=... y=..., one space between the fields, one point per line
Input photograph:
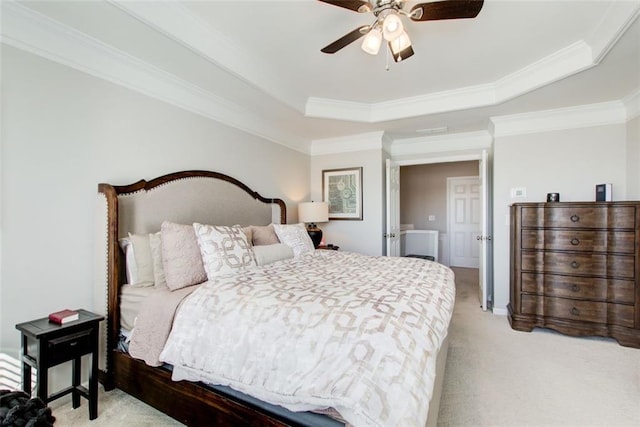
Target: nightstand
x=46 y=344
x=329 y=247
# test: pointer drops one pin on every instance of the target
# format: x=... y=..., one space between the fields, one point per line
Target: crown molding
x=178 y=23
x=570 y=60
x=606 y=113
x=614 y=23
x=632 y=104
x=466 y=141
x=348 y=144
x=28 y=30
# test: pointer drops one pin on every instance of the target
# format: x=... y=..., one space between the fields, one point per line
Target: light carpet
x=495 y=376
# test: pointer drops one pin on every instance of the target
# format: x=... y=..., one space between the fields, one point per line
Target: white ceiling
x=263 y=57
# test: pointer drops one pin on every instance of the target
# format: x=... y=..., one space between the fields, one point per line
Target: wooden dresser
x=574 y=269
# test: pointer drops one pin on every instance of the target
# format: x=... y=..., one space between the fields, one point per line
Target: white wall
x=633 y=159
x=358 y=236
x=63 y=133
x=570 y=162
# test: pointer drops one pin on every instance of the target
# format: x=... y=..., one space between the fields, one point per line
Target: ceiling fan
x=388 y=24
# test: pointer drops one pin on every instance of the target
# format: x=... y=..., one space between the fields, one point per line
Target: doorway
x=423 y=205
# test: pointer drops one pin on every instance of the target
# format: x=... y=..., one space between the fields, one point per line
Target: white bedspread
x=328 y=329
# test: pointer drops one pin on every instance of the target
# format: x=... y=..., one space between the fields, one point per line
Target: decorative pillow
x=155 y=242
x=224 y=249
x=266 y=254
x=181 y=257
x=264 y=235
x=249 y=233
x=144 y=262
x=295 y=236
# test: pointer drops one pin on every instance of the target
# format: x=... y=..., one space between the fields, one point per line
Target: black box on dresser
x=574 y=269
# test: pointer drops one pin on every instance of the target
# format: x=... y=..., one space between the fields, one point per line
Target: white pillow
x=129 y=259
x=224 y=249
x=144 y=262
x=267 y=254
x=155 y=242
x=295 y=236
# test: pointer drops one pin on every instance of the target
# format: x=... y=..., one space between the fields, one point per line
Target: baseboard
x=500 y=311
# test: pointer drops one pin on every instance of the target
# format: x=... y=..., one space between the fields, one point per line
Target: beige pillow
x=181 y=257
x=143 y=275
x=264 y=235
x=295 y=236
x=224 y=249
x=249 y=233
x=266 y=254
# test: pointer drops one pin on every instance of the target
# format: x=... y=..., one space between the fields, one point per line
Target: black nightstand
x=46 y=344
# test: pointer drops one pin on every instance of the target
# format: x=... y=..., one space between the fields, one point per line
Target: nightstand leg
x=75 y=381
x=93 y=378
x=26 y=368
x=42 y=379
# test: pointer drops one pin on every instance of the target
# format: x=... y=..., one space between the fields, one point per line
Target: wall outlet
x=432 y=217
x=518 y=193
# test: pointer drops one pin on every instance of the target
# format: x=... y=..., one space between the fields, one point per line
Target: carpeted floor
x=495 y=376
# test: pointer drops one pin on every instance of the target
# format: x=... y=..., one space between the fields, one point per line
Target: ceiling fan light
x=372 y=41
x=401 y=47
x=392 y=27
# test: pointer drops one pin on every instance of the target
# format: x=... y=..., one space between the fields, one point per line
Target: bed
x=200 y=397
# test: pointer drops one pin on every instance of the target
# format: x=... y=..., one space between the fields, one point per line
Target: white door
x=465 y=218
x=392 y=233
x=484 y=238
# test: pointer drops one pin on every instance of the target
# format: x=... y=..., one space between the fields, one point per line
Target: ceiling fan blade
x=347 y=39
x=446 y=9
x=355 y=5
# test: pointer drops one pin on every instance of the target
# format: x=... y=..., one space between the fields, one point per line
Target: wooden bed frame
x=188 y=402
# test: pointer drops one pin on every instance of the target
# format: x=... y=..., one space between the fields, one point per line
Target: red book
x=63 y=316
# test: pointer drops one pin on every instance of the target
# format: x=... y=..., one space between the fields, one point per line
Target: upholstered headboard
x=181 y=197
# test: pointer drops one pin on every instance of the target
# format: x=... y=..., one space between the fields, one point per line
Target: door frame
x=480 y=156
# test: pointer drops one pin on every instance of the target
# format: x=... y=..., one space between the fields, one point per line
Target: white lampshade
x=372 y=41
x=313 y=212
x=401 y=47
x=392 y=27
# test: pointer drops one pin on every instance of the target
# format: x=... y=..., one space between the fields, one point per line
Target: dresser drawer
x=612 y=290
x=584 y=311
x=579 y=217
x=619 y=266
x=580 y=240
x=69 y=347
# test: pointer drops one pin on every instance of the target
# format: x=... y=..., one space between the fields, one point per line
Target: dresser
x=574 y=269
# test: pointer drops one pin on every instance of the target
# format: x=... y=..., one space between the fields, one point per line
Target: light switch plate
x=432 y=217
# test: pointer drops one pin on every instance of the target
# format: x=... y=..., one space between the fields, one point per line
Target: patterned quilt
x=325 y=330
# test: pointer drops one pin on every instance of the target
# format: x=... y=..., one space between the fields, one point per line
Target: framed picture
x=342 y=189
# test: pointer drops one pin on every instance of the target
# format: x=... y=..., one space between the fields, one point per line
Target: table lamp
x=311 y=213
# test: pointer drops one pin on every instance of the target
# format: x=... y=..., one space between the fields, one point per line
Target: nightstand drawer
x=69 y=347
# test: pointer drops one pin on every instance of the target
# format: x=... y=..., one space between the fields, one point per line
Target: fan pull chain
x=387 y=58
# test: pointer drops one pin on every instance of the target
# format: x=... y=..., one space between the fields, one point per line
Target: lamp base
x=316 y=235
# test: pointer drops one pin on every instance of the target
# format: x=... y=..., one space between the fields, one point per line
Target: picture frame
x=342 y=189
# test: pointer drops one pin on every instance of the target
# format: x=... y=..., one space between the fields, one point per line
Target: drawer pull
x=575 y=218
x=575 y=264
x=73 y=343
x=575 y=311
x=575 y=288
x=575 y=241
